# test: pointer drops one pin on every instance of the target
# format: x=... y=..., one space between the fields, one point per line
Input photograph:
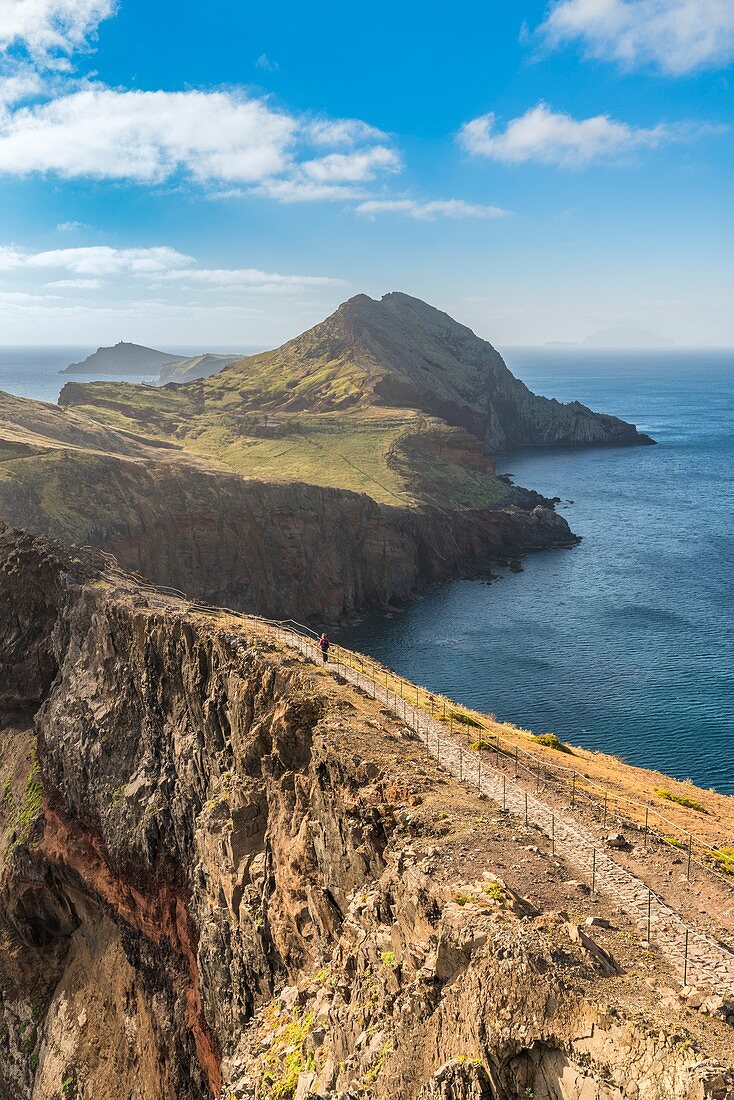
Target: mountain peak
x=398 y=352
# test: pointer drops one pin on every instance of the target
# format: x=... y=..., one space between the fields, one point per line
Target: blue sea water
x=623 y=643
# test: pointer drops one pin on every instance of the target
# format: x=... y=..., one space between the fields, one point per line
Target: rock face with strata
x=225 y=874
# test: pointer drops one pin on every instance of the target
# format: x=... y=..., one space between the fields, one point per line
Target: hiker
x=324 y=644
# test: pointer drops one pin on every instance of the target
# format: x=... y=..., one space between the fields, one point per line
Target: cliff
x=227 y=874
x=278 y=548
x=123 y=358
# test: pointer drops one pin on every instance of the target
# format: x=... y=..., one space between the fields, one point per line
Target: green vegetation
x=724 y=860
x=376 y=1068
x=116 y=795
x=354 y=403
x=287 y=1057
x=32 y=801
x=388 y=959
x=6 y=795
x=494 y=891
x=552 y=742
x=464 y=719
x=672 y=841
x=680 y=800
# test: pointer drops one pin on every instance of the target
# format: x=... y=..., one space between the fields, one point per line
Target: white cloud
x=219 y=137
x=357 y=167
x=300 y=189
x=267 y=64
x=18 y=297
x=343 y=131
x=552 y=137
x=101 y=133
x=250 y=278
x=76 y=284
x=675 y=36
x=429 y=211
x=17 y=82
x=51 y=27
x=95 y=267
x=100 y=260
x=71 y=227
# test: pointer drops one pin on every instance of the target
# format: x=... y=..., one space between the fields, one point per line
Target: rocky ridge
x=342 y=472
x=227 y=874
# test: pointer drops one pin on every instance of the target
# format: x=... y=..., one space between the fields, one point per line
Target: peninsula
x=343 y=471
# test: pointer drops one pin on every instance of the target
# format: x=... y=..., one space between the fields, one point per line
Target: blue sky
x=226 y=173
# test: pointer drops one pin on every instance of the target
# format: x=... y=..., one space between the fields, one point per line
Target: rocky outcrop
x=227 y=874
x=281 y=550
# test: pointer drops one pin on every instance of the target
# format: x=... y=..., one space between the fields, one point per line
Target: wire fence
x=513 y=777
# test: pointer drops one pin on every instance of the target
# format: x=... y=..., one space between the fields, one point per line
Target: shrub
x=494 y=891
x=680 y=800
x=464 y=719
x=552 y=742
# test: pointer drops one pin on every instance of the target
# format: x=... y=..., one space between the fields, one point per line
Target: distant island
x=125 y=359
x=622 y=337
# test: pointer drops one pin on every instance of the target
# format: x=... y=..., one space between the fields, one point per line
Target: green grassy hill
x=392 y=398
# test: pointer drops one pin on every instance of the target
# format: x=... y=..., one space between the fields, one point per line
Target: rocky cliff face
x=278 y=549
x=226 y=874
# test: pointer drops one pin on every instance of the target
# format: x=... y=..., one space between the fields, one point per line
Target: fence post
x=593 y=874
x=688 y=869
x=461 y=764
x=479 y=781
x=685 y=962
x=604 y=823
x=496 y=750
x=647 y=818
x=526 y=809
x=573 y=791
x=515 y=761
x=537 y=779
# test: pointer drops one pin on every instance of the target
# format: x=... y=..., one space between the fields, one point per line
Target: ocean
x=623 y=643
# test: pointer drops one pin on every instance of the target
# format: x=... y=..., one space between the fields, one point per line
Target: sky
x=223 y=174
